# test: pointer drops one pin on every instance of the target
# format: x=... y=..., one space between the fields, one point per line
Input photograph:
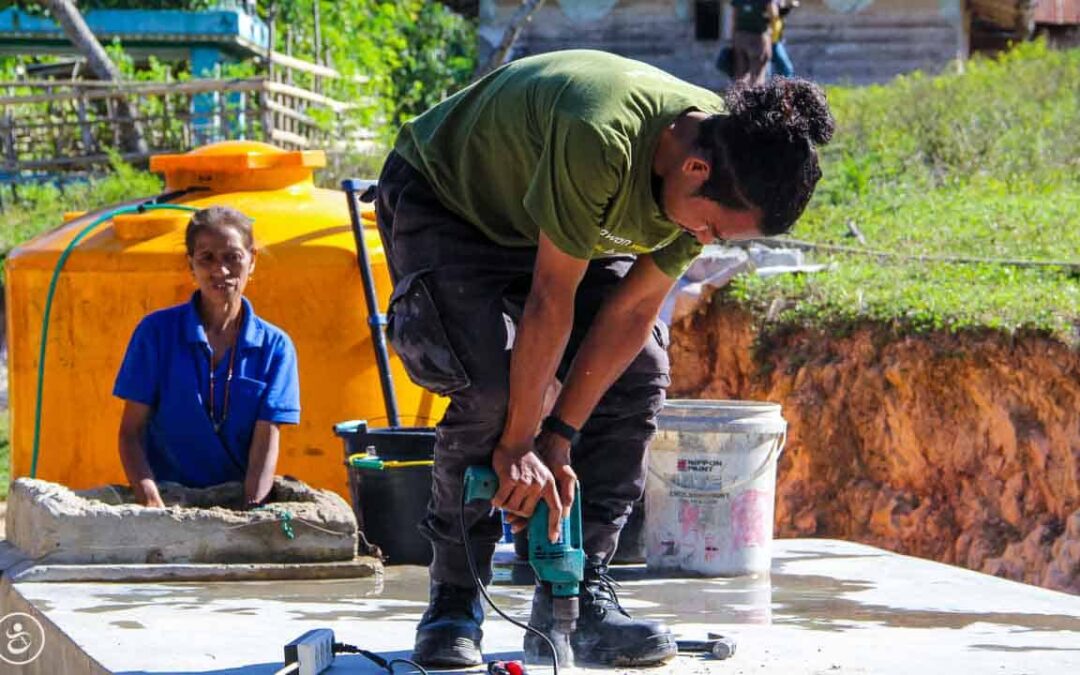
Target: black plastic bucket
x=390 y=483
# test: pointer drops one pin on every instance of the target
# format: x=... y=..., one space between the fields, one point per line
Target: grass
x=982 y=164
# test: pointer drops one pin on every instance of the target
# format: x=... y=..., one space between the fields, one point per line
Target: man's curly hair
x=764 y=150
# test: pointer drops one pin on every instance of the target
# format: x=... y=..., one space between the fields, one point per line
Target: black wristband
x=554 y=425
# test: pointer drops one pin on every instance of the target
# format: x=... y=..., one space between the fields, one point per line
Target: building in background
x=1059 y=20
x=854 y=41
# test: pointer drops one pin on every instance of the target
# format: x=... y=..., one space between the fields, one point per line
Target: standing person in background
x=751 y=40
x=781 y=65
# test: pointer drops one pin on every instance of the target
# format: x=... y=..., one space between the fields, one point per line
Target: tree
x=521 y=17
x=78 y=33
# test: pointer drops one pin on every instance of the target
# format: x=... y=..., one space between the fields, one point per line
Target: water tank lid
x=238 y=157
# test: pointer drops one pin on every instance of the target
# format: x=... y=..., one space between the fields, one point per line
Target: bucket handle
x=777 y=446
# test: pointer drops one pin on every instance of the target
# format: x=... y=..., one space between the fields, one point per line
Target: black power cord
x=483 y=591
x=387 y=664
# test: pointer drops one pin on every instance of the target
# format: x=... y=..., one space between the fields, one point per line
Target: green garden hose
x=108 y=215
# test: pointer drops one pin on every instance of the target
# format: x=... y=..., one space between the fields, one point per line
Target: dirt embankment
x=960 y=448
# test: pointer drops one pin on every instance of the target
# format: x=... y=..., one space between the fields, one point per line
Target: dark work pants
x=457 y=298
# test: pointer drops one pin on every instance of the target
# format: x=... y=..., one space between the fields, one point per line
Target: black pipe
x=376 y=320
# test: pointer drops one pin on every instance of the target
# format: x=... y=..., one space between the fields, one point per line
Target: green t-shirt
x=561 y=143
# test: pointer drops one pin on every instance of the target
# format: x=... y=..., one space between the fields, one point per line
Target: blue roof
x=229 y=29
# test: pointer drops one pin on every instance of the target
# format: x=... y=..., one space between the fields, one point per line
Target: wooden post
x=267 y=116
x=71 y=21
x=241 y=116
x=517 y=23
x=271 y=18
x=288 y=50
x=187 y=135
x=84 y=126
x=113 y=117
x=11 y=154
x=318 y=43
x=167 y=118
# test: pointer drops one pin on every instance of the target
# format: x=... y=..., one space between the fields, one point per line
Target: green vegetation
x=983 y=164
x=41 y=207
x=410 y=53
x=396 y=57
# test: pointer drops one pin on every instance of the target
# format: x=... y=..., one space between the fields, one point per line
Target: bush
x=398 y=56
x=41 y=207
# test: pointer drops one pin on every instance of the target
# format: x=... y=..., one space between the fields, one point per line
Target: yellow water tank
x=307 y=282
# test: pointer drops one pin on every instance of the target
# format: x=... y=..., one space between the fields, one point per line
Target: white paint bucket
x=711 y=488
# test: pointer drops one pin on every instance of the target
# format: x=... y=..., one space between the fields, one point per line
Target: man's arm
x=541 y=340
x=617 y=335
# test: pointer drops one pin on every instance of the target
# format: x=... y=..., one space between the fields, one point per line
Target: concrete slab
x=828 y=607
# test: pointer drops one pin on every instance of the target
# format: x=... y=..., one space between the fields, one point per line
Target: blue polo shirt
x=167 y=367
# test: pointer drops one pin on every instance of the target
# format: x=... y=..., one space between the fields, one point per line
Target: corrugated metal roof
x=1058 y=12
x=1010 y=15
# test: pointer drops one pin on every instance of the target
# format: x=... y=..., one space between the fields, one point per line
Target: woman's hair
x=218 y=218
x=764 y=150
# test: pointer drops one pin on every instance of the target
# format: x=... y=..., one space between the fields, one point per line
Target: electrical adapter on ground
x=312 y=652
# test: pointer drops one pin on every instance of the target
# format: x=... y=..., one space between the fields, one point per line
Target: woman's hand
x=262 y=461
x=146 y=492
x=133 y=423
x=524 y=480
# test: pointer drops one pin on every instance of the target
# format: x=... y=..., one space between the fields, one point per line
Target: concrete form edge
x=59 y=654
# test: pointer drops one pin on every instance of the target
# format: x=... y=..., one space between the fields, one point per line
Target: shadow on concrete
x=343 y=664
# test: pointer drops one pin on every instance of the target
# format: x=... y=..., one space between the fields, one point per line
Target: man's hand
x=524 y=480
x=555 y=452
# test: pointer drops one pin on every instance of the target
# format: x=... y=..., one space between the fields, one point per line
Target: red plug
x=506 y=668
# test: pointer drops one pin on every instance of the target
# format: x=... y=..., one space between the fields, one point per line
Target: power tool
x=561 y=564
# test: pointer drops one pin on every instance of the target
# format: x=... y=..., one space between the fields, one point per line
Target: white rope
x=949 y=259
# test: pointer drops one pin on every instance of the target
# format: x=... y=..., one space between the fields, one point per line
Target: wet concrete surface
x=827 y=607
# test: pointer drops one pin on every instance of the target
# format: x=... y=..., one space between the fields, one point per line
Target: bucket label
x=700 y=465
x=695 y=475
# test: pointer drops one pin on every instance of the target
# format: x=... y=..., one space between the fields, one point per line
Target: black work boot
x=537 y=650
x=607 y=635
x=449 y=633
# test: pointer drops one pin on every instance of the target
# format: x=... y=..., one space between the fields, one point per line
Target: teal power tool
x=561 y=564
